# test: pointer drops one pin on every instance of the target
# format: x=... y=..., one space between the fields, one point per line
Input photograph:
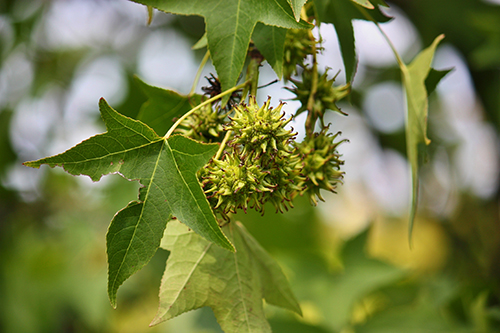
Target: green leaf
x=166 y=169
x=270 y=41
x=163 y=106
x=341 y=13
x=414 y=79
x=361 y=276
x=297 y=7
x=199 y=274
x=229 y=26
x=335 y=295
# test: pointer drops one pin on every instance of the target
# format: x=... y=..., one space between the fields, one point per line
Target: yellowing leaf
x=414 y=77
x=199 y=274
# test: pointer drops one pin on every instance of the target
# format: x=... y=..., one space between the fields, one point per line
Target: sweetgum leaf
x=166 y=169
x=341 y=13
x=163 y=106
x=199 y=274
x=270 y=41
x=414 y=80
x=229 y=26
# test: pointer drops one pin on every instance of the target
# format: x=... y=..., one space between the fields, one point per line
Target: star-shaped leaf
x=200 y=274
x=166 y=169
x=341 y=13
x=229 y=26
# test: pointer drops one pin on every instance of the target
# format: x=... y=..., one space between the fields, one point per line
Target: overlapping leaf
x=166 y=168
x=270 y=41
x=163 y=106
x=341 y=13
x=414 y=79
x=229 y=26
x=297 y=7
x=200 y=274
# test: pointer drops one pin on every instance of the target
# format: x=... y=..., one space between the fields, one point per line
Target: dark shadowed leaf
x=270 y=41
x=163 y=106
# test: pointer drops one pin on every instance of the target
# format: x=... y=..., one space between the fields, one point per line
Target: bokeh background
x=348 y=260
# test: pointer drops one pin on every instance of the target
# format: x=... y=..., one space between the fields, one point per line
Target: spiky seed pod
x=260 y=130
x=233 y=183
x=326 y=96
x=205 y=124
x=285 y=173
x=321 y=163
x=298 y=45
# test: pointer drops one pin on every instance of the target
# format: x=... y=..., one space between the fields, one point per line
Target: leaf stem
x=199 y=106
x=198 y=74
x=401 y=64
x=223 y=144
x=311 y=120
x=252 y=74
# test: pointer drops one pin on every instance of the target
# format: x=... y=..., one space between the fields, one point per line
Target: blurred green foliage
x=52 y=241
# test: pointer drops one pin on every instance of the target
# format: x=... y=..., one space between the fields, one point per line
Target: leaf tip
x=102 y=102
x=155 y=321
x=229 y=246
x=112 y=299
x=32 y=164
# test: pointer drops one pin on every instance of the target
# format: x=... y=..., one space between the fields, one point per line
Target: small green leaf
x=370 y=4
x=163 y=106
x=270 y=41
x=166 y=168
x=434 y=77
x=414 y=79
x=199 y=274
x=229 y=26
x=297 y=7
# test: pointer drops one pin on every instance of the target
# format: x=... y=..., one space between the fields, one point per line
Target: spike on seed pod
x=321 y=164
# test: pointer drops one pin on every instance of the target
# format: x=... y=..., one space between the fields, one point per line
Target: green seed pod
x=298 y=45
x=204 y=125
x=321 y=164
x=260 y=130
x=233 y=183
x=325 y=97
x=285 y=173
